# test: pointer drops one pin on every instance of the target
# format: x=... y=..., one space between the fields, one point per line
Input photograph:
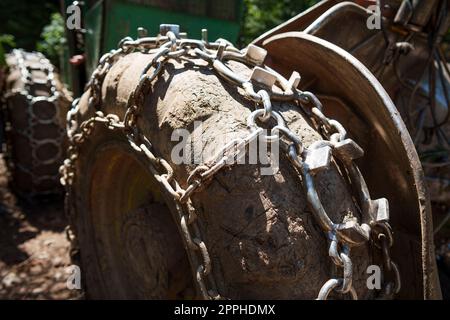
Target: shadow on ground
x=34 y=257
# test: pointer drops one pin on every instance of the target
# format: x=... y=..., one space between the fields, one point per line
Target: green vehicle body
x=106 y=22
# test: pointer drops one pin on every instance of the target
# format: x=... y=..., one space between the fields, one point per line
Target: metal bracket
x=318 y=159
x=263 y=77
x=164 y=28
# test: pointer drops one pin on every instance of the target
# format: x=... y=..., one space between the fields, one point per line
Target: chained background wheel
x=35 y=106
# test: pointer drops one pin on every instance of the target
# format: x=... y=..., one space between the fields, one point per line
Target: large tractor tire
x=245 y=235
x=262 y=239
x=34 y=113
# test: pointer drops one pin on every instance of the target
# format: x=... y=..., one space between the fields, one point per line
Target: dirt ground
x=34 y=256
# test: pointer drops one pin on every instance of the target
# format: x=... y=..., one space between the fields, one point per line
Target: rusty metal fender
x=352 y=95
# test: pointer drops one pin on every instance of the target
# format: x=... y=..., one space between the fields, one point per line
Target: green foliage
x=262 y=15
x=53 y=39
x=6 y=40
x=25 y=19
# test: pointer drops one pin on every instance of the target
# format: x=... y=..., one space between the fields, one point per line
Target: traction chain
x=42 y=65
x=334 y=149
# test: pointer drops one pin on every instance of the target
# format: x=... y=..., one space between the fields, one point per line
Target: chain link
x=308 y=161
x=383 y=240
